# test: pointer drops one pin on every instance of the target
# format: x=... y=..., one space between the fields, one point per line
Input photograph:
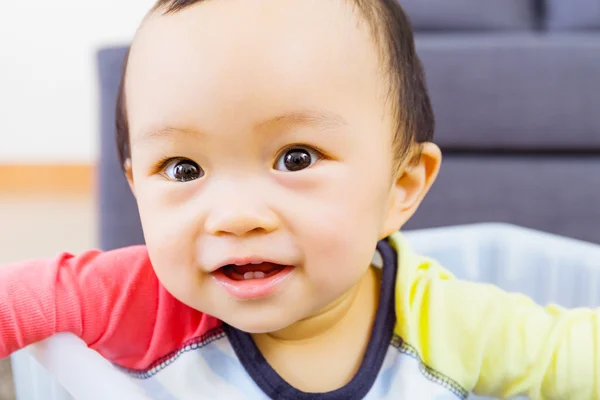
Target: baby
x=273 y=146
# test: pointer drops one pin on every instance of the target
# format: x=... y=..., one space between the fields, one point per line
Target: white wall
x=48 y=93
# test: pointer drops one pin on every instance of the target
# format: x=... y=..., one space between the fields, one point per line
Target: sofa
x=515 y=86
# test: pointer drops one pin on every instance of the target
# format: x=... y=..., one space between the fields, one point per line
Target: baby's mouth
x=251 y=271
x=253 y=280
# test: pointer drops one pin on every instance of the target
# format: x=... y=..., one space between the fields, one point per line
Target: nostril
x=258 y=230
x=226 y=233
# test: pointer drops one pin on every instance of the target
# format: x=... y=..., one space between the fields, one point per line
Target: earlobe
x=127 y=169
x=410 y=187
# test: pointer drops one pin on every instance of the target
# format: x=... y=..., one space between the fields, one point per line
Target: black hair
x=393 y=34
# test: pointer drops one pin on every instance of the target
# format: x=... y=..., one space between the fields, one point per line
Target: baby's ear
x=410 y=187
x=127 y=169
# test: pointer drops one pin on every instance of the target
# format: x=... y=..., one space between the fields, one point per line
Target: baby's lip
x=242 y=287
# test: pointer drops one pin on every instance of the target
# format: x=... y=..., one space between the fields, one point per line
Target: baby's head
x=292 y=133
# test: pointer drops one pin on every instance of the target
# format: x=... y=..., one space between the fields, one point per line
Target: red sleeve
x=112 y=300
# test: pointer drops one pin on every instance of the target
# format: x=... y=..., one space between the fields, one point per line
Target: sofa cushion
x=553 y=194
x=435 y=15
x=572 y=14
x=514 y=91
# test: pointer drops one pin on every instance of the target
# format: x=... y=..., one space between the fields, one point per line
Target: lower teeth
x=254 y=275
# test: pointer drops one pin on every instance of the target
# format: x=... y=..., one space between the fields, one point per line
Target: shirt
x=434 y=337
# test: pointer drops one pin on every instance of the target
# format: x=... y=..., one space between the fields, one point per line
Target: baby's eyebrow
x=320 y=119
x=165 y=131
x=317 y=118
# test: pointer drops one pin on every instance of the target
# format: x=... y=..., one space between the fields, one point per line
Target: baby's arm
x=86 y=295
x=112 y=300
x=502 y=345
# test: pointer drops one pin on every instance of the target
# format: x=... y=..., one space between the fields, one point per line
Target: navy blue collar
x=381 y=336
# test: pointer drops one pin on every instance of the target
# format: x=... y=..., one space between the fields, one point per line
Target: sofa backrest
x=502 y=15
x=472 y=15
x=505 y=75
x=572 y=15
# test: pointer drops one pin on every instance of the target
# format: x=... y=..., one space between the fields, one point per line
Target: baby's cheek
x=170 y=247
x=176 y=275
x=343 y=240
x=172 y=230
x=335 y=248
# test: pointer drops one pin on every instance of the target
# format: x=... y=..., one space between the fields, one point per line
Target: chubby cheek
x=340 y=223
x=176 y=273
x=337 y=262
x=167 y=215
x=170 y=241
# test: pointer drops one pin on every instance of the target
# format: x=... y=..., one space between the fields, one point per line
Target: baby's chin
x=260 y=322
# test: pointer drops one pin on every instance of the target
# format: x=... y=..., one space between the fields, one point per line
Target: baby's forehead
x=334 y=29
x=258 y=55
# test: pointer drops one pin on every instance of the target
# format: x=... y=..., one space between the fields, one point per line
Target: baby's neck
x=324 y=352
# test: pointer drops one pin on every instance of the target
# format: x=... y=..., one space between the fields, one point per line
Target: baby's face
x=260 y=133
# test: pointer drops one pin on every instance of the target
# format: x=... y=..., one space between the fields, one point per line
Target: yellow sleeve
x=495 y=343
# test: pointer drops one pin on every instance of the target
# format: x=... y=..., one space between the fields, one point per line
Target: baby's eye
x=297 y=159
x=183 y=170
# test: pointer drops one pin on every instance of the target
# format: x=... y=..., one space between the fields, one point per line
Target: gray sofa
x=515 y=86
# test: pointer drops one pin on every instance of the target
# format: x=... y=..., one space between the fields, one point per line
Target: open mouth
x=252 y=281
x=251 y=271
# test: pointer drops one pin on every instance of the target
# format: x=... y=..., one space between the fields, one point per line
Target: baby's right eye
x=183 y=170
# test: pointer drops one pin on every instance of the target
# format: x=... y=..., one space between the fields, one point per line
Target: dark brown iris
x=296 y=160
x=187 y=171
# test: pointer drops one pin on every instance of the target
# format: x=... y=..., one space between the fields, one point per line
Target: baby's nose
x=240 y=215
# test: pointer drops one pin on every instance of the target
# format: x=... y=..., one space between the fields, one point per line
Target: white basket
x=64 y=368
x=546 y=267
